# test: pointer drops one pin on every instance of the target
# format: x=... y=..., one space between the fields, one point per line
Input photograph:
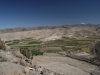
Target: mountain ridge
x=46 y=33
x=18 y=29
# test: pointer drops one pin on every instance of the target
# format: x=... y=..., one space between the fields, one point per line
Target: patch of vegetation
x=10 y=44
x=63 y=48
x=71 y=39
x=73 y=49
x=7 y=41
x=77 y=48
x=13 y=43
x=36 y=52
x=86 y=40
x=56 y=43
x=53 y=51
x=72 y=43
x=23 y=47
x=63 y=42
x=34 y=42
x=24 y=50
x=23 y=42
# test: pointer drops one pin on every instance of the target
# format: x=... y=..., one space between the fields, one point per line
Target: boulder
x=24 y=63
x=18 y=54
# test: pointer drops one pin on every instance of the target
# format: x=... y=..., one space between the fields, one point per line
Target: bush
x=36 y=52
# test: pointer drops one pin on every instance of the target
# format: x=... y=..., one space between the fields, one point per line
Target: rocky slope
x=51 y=33
x=14 y=63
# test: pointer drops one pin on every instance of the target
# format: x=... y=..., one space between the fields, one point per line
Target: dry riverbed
x=65 y=65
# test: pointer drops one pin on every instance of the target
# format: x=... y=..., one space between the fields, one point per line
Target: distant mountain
x=19 y=29
x=51 y=33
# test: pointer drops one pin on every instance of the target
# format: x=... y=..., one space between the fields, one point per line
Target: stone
x=96 y=72
x=8 y=68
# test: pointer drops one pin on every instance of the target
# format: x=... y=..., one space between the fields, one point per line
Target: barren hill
x=51 y=33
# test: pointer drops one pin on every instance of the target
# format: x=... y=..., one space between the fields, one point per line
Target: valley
x=62 y=51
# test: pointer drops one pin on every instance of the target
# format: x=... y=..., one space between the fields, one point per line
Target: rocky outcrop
x=7 y=68
x=95 y=72
x=14 y=63
x=95 y=49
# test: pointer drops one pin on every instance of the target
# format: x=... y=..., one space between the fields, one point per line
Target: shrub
x=36 y=52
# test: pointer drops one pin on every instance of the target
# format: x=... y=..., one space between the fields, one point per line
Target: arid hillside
x=51 y=33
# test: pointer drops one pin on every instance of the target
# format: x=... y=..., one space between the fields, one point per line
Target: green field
x=34 y=42
x=24 y=42
x=53 y=51
x=36 y=52
x=38 y=45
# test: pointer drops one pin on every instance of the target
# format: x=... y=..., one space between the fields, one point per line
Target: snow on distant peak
x=82 y=23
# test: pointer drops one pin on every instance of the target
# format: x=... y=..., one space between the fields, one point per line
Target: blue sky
x=28 y=13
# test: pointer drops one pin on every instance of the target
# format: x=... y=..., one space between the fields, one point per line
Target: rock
x=8 y=68
x=96 y=72
x=40 y=68
x=27 y=69
x=51 y=73
x=14 y=63
x=95 y=50
x=18 y=54
x=24 y=63
x=8 y=56
x=7 y=47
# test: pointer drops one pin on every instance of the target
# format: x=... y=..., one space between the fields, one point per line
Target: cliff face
x=51 y=33
x=95 y=49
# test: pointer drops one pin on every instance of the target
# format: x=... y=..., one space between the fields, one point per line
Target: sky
x=30 y=13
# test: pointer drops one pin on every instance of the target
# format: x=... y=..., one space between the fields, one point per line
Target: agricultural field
x=37 y=47
x=23 y=42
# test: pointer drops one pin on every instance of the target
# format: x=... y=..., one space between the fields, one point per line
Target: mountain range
x=46 y=33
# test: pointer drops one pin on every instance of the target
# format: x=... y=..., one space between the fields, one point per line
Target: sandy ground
x=65 y=65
